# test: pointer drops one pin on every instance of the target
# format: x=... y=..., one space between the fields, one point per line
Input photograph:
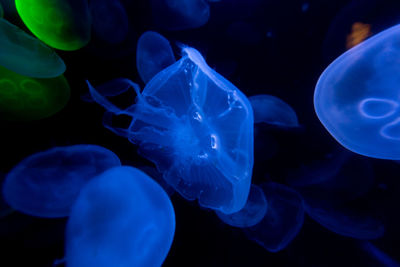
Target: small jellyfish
x=153 y=54
x=283 y=220
x=26 y=55
x=180 y=14
x=120 y=218
x=109 y=20
x=23 y=98
x=47 y=183
x=271 y=110
x=61 y=24
x=357 y=97
x=197 y=128
x=251 y=214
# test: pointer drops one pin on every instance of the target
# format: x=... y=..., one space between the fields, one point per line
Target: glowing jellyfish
x=154 y=53
x=121 y=218
x=47 y=183
x=180 y=14
x=62 y=24
x=251 y=214
x=271 y=110
x=26 y=55
x=197 y=128
x=283 y=220
x=109 y=19
x=357 y=97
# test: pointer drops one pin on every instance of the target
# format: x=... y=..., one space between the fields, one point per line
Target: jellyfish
x=251 y=214
x=47 y=183
x=26 y=55
x=380 y=256
x=61 y=24
x=180 y=14
x=283 y=220
x=154 y=53
x=120 y=218
x=357 y=97
x=271 y=110
x=197 y=128
x=109 y=19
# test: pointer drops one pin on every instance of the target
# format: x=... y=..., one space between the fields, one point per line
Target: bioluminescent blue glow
x=47 y=183
x=197 y=128
x=153 y=54
x=252 y=213
x=283 y=220
x=272 y=110
x=180 y=14
x=120 y=218
x=357 y=97
x=109 y=20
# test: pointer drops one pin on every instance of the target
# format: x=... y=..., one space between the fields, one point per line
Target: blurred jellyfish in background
x=121 y=218
x=26 y=55
x=272 y=110
x=24 y=99
x=61 y=24
x=180 y=14
x=153 y=54
x=252 y=213
x=47 y=183
x=283 y=220
x=109 y=20
x=197 y=128
x=357 y=97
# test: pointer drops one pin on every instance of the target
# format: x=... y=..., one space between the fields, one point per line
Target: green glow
x=26 y=55
x=62 y=24
x=23 y=98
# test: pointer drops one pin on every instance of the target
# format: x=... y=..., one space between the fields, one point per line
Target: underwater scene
x=141 y=133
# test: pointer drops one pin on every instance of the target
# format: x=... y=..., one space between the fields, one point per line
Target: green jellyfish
x=61 y=24
x=23 y=98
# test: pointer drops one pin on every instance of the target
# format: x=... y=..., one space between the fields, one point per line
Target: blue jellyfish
x=120 y=218
x=283 y=220
x=357 y=97
x=180 y=14
x=271 y=110
x=153 y=54
x=109 y=20
x=197 y=128
x=47 y=183
x=381 y=257
x=251 y=214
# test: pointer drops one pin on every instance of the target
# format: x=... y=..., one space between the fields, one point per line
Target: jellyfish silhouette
x=120 y=218
x=197 y=128
x=153 y=54
x=357 y=97
x=47 y=183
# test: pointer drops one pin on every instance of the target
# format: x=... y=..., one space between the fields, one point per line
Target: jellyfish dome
x=357 y=97
x=47 y=183
x=120 y=218
x=197 y=128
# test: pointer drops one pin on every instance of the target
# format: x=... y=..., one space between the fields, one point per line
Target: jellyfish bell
x=197 y=128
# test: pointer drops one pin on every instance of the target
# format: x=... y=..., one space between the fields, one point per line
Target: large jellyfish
x=23 y=98
x=62 y=24
x=283 y=220
x=153 y=54
x=120 y=218
x=357 y=97
x=47 y=183
x=109 y=19
x=26 y=55
x=197 y=128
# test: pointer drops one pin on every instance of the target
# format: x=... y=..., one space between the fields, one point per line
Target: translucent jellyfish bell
x=120 y=218
x=47 y=183
x=357 y=97
x=197 y=128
